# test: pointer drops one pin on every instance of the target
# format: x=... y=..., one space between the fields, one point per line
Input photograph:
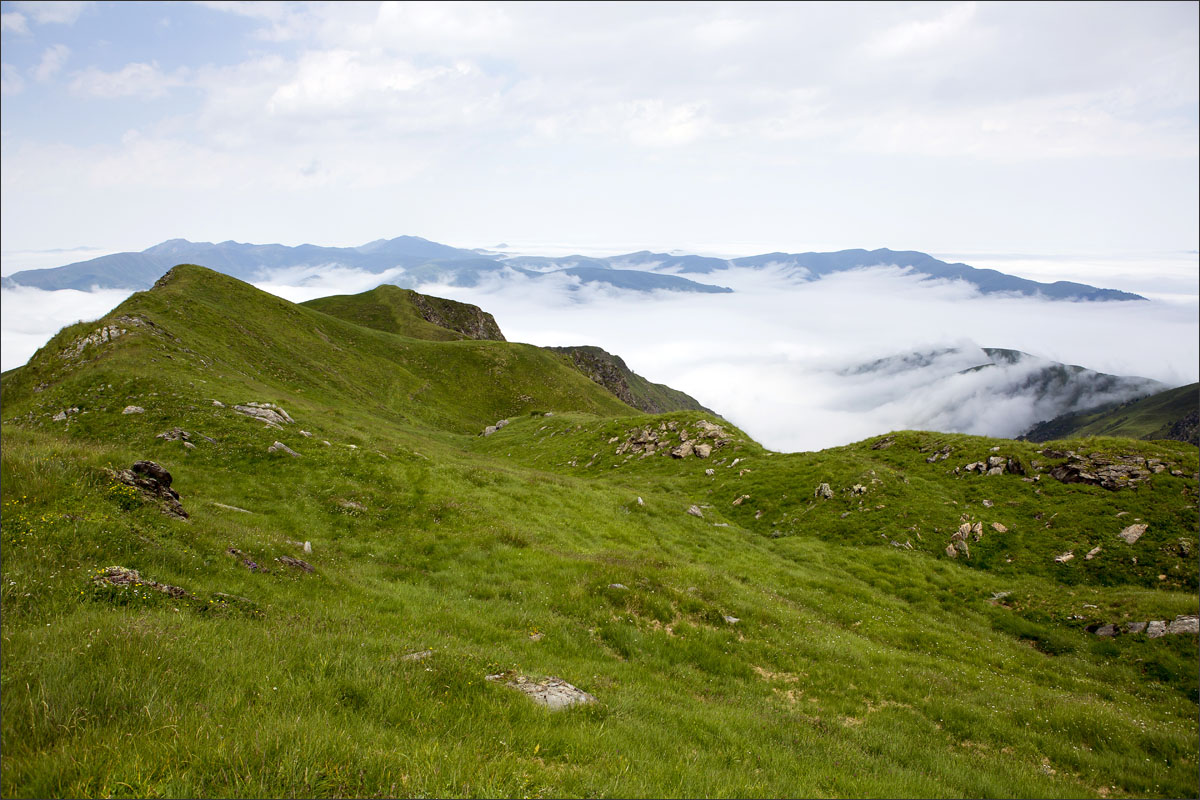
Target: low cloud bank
x=783 y=358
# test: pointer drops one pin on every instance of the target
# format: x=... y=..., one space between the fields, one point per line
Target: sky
x=738 y=128
x=1051 y=141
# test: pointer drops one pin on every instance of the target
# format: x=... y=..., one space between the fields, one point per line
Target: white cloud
x=135 y=79
x=11 y=81
x=53 y=59
x=14 y=23
x=917 y=35
x=62 y=12
x=32 y=316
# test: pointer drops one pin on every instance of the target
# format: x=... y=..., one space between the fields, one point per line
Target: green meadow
x=780 y=643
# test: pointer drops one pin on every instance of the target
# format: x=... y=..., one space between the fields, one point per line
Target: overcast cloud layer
x=1029 y=127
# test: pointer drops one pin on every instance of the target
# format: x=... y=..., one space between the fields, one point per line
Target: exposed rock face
x=154 y=483
x=1098 y=469
x=269 y=413
x=97 y=337
x=469 y=320
x=611 y=372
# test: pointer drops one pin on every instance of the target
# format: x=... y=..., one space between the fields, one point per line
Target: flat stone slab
x=553 y=693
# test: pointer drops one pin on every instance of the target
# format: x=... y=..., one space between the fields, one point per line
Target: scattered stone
x=884 y=443
x=154 y=483
x=351 y=505
x=553 y=693
x=641 y=502
x=951 y=550
x=122 y=576
x=999 y=527
x=288 y=561
x=1095 y=551
x=961 y=546
x=824 y=492
x=621 y=586
x=1111 y=472
x=420 y=655
x=1107 y=630
x=133 y=410
x=231 y=508
x=247 y=562
x=1156 y=628
x=730 y=619
x=490 y=429
x=703 y=450
x=1184 y=624
x=218 y=404
x=271 y=414
x=536 y=636
x=997 y=596
x=280 y=447
x=1064 y=558
x=977 y=531
x=1136 y=627
x=1133 y=532
x=987 y=504
x=306 y=434
x=738 y=502
x=695 y=511
x=858 y=488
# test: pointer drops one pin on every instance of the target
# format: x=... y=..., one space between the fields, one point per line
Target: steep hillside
x=408 y=313
x=611 y=372
x=342 y=589
x=1170 y=414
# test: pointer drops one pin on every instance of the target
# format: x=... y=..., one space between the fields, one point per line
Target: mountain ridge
x=424 y=260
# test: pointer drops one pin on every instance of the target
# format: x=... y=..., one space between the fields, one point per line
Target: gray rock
x=730 y=620
x=288 y=561
x=1184 y=624
x=1136 y=627
x=1107 y=630
x=703 y=450
x=133 y=410
x=996 y=471
x=1095 y=551
x=1133 y=532
x=1156 y=628
x=684 y=450
x=280 y=447
x=695 y=511
x=269 y=413
x=231 y=508
x=553 y=693
x=153 y=483
x=420 y=655
x=618 y=586
x=218 y=404
x=1064 y=558
x=122 y=576
x=824 y=492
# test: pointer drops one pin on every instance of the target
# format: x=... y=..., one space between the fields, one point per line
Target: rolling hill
x=344 y=588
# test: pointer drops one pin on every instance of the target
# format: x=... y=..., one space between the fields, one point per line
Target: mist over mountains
x=410 y=261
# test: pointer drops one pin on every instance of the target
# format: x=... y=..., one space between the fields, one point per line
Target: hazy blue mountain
x=242 y=261
x=640 y=281
x=424 y=260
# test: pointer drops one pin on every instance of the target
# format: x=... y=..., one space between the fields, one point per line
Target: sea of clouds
x=782 y=357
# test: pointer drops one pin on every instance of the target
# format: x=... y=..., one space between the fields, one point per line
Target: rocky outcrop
x=553 y=693
x=1152 y=629
x=469 y=320
x=1112 y=472
x=271 y=414
x=1132 y=533
x=632 y=389
x=122 y=576
x=280 y=447
x=490 y=429
x=154 y=484
x=674 y=438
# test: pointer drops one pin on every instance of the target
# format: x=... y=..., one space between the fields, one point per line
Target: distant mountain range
x=419 y=261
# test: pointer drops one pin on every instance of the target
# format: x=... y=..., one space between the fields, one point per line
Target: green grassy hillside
x=781 y=643
x=408 y=313
x=1165 y=415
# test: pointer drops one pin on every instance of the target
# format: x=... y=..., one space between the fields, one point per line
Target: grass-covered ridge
x=1170 y=414
x=855 y=667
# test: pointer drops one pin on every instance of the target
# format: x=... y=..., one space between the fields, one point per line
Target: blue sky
x=732 y=128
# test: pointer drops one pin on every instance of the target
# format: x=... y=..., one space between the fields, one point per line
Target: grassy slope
x=1138 y=419
x=855 y=669
x=392 y=309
